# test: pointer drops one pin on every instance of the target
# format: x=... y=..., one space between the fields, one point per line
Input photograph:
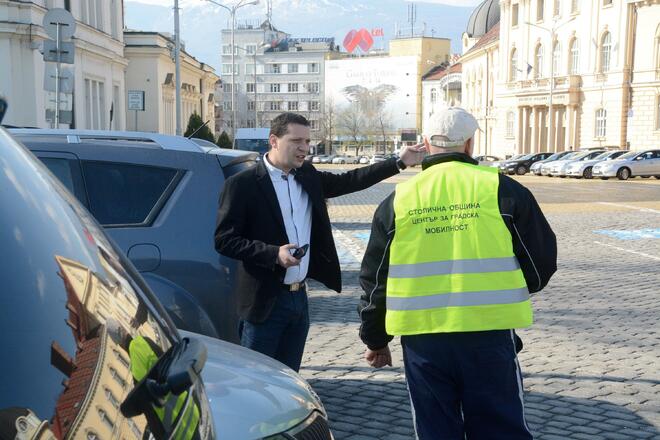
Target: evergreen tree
x=224 y=141
x=194 y=123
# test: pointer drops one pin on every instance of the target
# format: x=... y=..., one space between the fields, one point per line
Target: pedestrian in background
x=270 y=211
x=454 y=253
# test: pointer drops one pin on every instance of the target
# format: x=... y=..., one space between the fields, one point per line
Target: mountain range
x=202 y=22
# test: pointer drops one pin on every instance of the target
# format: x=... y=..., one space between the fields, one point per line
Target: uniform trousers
x=465 y=386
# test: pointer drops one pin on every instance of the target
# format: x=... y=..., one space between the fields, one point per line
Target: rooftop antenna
x=269 y=12
x=412 y=18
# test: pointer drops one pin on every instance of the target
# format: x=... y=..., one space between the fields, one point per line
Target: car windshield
x=525 y=157
x=604 y=155
x=553 y=157
x=628 y=155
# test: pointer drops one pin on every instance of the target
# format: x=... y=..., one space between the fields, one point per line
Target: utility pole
x=177 y=68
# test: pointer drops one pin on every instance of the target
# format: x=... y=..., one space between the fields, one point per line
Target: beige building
x=644 y=117
x=98 y=70
x=441 y=88
x=571 y=75
x=151 y=70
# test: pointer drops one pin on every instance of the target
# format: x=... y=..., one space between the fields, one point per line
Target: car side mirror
x=3 y=108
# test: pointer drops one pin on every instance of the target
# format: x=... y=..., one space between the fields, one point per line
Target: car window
x=656 y=155
x=124 y=194
x=629 y=155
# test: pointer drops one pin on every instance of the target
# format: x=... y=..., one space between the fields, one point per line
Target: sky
x=201 y=21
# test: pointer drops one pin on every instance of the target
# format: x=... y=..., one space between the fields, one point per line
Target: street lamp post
x=232 y=11
x=177 y=68
x=553 y=37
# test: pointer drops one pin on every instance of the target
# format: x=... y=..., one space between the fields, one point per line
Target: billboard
x=382 y=91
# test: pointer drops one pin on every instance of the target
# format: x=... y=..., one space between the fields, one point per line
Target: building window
x=275 y=105
x=313 y=125
x=575 y=6
x=226 y=69
x=249 y=68
x=510 y=120
x=657 y=50
x=607 y=2
x=601 y=123
x=514 y=15
x=92 y=13
x=91 y=435
x=538 y=61
x=434 y=96
x=227 y=87
x=314 y=106
x=226 y=49
x=274 y=68
x=95 y=105
x=313 y=87
x=574 y=66
x=250 y=87
x=556 y=56
x=293 y=68
x=251 y=105
x=556 y=9
x=293 y=87
x=251 y=123
x=111 y=398
x=106 y=419
x=121 y=358
x=605 y=52
x=250 y=49
x=513 y=66
x=226 y=106
x=313 y=68
x=274 y=88
x=293 y=106
x=657 y=112
x=540 y=5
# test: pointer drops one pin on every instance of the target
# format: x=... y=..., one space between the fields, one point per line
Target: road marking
x=623 y=205
x=642 y=254
x=638 y=234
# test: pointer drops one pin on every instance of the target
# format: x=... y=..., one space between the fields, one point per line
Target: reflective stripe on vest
x=452 y=266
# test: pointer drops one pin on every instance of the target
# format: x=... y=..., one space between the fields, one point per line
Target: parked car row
x=346 y=159
x=110 y=304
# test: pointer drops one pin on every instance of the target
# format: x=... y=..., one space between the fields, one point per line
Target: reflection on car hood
x=251 y=395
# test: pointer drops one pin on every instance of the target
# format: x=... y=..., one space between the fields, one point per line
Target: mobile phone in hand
x=300 y=252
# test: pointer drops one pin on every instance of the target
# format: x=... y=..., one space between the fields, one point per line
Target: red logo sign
x=361 y=39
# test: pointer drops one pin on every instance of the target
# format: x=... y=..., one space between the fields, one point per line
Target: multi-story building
x=151 y=70
x=98 y=70
x=273 y=73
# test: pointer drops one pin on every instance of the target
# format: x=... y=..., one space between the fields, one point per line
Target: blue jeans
x=283 y=334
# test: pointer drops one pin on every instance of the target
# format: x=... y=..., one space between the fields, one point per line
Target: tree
x=224 y=141
x=327 y=125
x=352 y=123
x=194 y=123
x=383 y=123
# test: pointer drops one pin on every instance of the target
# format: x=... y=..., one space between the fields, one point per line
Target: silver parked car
x=584 y=168
x=345 y=159
x=635 y=163
x=560 y=167
x=486 y=160
x=536 y=166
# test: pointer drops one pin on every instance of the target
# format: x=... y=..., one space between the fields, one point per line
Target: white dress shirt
x=297 y=214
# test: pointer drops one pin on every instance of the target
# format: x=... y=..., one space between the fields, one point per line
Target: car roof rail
x=166 y=142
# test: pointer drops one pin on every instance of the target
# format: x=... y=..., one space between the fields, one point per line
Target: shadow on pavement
x=376 y=409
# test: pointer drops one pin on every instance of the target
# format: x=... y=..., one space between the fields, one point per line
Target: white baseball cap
x=451 y=127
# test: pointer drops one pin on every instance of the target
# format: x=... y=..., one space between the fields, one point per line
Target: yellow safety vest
x=452 y=266
x=143 y=359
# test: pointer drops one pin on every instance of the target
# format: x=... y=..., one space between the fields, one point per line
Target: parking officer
x=454 y=253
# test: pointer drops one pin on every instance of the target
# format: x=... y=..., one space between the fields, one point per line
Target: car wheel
x=521 y=170
x=343 y=162
x=657 y=177
x=623 y=174
x=588 y=173
x=645 y=177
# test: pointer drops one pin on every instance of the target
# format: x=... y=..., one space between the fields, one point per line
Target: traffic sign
x=136 y=100
x=58 y=17
x=67 y=52
x=66 y=79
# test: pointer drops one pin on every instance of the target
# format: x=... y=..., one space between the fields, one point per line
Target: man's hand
x=284 y=257
x=379 y=358
x=413 y=155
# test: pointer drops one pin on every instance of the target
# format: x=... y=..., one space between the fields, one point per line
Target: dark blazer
x=250 y=229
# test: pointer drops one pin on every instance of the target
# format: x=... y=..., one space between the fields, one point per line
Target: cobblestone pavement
x=591 y=360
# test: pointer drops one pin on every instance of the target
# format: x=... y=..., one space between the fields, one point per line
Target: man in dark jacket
x=453 y=255
x=269 y=212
